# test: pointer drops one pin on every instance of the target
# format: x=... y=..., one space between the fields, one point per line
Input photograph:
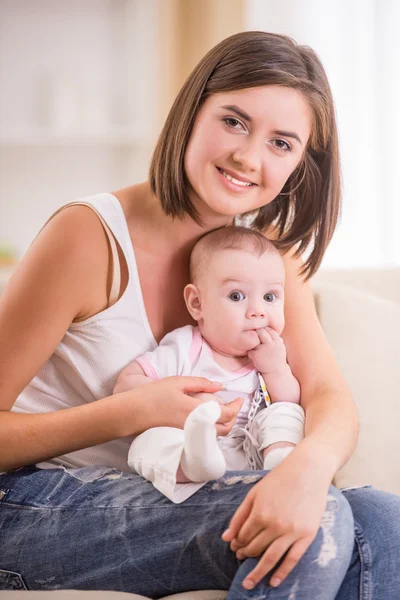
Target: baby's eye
x=236 y=296
x=270 y=297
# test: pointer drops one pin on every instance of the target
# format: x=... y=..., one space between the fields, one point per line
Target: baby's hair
x=228 y=238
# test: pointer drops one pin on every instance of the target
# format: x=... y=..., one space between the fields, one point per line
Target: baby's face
x=240 y=293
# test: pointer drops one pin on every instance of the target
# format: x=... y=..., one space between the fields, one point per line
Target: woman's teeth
x=236 y=181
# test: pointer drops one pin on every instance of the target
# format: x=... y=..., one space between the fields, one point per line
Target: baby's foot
x=202 y=458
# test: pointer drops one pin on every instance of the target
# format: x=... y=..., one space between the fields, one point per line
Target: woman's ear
x=191 y=293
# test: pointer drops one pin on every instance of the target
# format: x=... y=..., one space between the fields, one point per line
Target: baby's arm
x=282 y=385
x=130 y=378
x=167 y=359
x=269 y=359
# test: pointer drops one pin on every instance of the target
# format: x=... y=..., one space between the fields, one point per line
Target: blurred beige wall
x=189 y=29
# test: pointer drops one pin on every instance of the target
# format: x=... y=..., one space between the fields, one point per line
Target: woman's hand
x=168 y=402
x=280 y=515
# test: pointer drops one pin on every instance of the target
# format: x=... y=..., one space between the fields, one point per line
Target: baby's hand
x=270 y=355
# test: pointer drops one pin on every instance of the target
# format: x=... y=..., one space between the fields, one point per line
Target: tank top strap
x=94 y=203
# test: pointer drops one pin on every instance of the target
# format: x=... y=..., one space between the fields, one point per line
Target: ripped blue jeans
x=96 y=528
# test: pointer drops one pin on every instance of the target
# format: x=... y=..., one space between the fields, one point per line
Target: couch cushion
x=364 y=333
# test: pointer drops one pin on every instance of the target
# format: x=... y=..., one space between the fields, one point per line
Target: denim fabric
x=98 y=528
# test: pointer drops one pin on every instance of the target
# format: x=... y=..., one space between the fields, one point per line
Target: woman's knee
x=377 y=520
x=327 y=559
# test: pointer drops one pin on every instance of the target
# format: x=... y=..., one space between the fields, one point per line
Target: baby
x=236 y=295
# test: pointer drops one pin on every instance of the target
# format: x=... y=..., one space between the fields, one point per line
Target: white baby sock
x=202 y=458
x=275 y=457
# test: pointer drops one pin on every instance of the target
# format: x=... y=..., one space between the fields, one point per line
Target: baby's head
x=237 y=286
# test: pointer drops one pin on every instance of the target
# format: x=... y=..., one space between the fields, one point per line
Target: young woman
x=252 y=132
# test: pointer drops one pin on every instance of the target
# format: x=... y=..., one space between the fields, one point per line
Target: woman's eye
x=282 y=145
x=270 y=297
x=236 y=296
x=233 y=123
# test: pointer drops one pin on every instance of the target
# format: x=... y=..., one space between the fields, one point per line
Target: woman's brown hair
x=306 y=211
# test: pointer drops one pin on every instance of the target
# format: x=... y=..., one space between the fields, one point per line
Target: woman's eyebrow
x=235 y=109
x=290 y=134
x=238 y=111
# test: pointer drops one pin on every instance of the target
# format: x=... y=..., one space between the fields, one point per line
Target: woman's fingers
x=257 y=523
x=294 y=555
x=224 y=428
x=229 y=411
x=228 y=416
x=257 y=545
x=272 y=556
x=196 y=384
x=268 y=561
x=249 y=530
x=238 y=519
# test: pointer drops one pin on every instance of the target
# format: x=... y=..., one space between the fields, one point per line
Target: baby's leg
x=278 y=429
x=167 y=455
x=275 y=453
x=202 y=459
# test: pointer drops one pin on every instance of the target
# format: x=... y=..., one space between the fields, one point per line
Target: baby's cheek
x=279 y=323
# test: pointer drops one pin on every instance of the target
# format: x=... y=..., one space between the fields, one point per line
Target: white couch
x=360 y=313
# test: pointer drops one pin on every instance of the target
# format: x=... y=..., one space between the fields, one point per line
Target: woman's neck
x=142 y=206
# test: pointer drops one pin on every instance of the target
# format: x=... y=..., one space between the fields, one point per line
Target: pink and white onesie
x=156 y=453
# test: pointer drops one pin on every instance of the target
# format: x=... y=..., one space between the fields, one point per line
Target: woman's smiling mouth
x=242 y=183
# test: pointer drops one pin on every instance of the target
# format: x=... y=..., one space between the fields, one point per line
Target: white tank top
x=87 y=362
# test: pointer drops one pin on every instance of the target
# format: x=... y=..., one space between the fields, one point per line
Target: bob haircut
x=305 y=213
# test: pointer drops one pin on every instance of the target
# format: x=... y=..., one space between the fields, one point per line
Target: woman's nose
x=248 y=156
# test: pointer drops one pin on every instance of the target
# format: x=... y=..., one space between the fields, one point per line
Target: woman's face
x=244 y=146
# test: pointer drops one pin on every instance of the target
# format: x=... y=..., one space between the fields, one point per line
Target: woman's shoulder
x=78 y=234
x=61 y=278
x=71 y=252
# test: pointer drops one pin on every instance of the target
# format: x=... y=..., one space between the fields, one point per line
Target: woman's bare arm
x=331 y=416
x=64 y=276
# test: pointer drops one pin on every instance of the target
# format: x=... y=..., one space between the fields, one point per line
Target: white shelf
x=35 y=138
